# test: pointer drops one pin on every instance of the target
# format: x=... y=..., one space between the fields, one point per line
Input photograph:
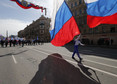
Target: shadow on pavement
x=20 y=52
x=69 y=46
x=95 y=51
x=55 y=70
x=86 y=71
x=9 y=54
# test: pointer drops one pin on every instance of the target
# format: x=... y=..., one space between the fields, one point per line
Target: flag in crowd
x=101 y=12
x=64 y=26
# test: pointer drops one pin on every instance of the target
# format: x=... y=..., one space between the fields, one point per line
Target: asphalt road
x=32 y=65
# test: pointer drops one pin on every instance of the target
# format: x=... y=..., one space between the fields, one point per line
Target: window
x=103 y=30
x=112 y=29
x=75 y=3
x=80 y=11
x=75 y=13
x=84 y=11
x=96 y=30
x=90 y=30
x=84 y=31
x=41 y=31
x=71 y=5
x=80 y=1
x=85 y=20
x=41 y=26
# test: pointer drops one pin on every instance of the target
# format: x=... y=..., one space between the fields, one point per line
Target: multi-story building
x=38 y=29
x=102 y=35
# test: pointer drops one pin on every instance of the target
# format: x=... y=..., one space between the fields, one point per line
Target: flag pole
x=7 y=33
x=45 y=11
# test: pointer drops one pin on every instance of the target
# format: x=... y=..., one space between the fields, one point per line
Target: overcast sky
x=13 y=18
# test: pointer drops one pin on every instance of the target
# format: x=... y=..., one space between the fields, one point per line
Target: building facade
x=38 y=29
x=104 y=34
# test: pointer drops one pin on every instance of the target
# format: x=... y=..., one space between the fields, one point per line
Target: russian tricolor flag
x=26 y=5
x=64 y=26
x=101 y=12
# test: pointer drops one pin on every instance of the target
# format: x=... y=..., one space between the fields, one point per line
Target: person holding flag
x=77 y=42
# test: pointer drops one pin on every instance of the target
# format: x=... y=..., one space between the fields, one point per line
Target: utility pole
x=7 y=33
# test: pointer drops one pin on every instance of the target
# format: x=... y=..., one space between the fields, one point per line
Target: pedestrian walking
x=10 y=42
x=6 y=42
x=2 y=43
x=14 y=42
x=19 y=42
x=23 y=41
x=77 y=42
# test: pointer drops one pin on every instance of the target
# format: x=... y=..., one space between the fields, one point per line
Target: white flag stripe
x=90 y=1
x=56 y=6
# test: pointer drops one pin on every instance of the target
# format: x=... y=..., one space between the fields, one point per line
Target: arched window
x=41 y=25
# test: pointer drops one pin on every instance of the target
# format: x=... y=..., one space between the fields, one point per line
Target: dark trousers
x=76 y=51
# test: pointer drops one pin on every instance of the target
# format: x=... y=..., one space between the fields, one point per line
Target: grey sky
x=13 y=18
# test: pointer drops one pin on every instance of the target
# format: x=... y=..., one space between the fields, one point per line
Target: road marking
x=50 y=51
x=101 y=63
x=40 y=51
x=14 y=59
x=102 y=58
x=86 y=60
x=85 y=55
x=84 y=65
x=95 y=69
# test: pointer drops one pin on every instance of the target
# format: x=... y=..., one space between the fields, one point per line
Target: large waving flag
x=64 y=26
x=26 y=5
x=101 y=12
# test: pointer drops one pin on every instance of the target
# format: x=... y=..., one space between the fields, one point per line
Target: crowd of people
x=18 y=42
